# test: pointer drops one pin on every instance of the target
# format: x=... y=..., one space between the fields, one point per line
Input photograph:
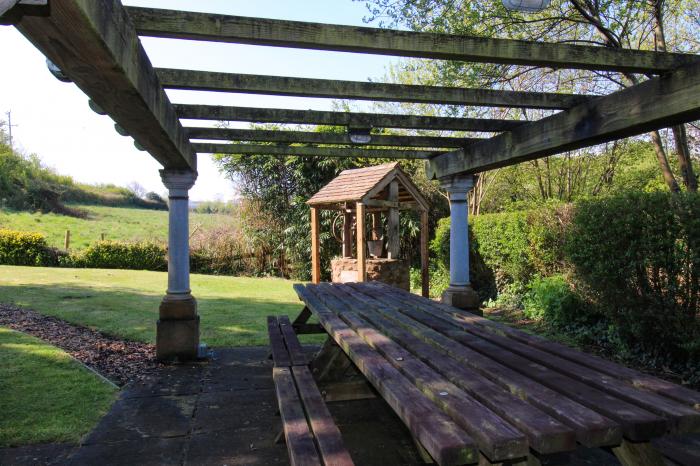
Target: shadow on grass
x=132 y=314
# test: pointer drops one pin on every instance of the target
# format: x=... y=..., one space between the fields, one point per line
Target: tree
x=608 y=23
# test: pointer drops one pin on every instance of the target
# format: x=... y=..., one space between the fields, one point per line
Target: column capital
x=178 y=182
x=457 y=183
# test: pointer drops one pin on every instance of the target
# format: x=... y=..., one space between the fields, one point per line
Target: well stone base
x=394 y=272
x=177 y=330
x=462 y=297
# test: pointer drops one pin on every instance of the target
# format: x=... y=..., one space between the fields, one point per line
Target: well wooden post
x=361 y=243
x=424 y=273
x=394 y=240
x=315 y=251
x=347 y=234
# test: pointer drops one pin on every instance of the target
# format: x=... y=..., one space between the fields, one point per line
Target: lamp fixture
x=526 y=6
x=360 y=135
x=57 y=72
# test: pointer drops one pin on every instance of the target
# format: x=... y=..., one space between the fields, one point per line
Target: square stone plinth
x=177 y=340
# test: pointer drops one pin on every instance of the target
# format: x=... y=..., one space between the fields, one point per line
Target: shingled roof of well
x=352 y=185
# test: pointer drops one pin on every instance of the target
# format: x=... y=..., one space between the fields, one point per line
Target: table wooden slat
x=302 y=450
x=682 y=418
x=638 y=424
x=446 y=442
x=591 y=428
x=663 y=387
x=326 y=433
x=495 y=437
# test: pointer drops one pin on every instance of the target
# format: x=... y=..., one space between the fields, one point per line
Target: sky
x=53 y=119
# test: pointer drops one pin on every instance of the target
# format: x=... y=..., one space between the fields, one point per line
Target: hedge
x=22 y=248
x=120 y=255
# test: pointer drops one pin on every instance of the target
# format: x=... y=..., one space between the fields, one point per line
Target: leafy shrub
x=552 y=300
x=21 y=248
x=120 y=255
x=638 y=256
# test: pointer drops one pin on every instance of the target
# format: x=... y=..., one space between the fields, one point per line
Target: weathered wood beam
x=358 y=120
x=661 y=102
x=279 y=33
x=303 y=151
x=259 y=135
x=305 y=87
x=95 y=44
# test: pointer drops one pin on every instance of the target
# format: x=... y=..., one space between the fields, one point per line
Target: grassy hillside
x=117 y=223
x=125 y=303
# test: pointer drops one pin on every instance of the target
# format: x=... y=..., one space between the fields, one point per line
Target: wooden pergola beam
x=311 y=151
x=95 y=44
x=310 y=137
x=358 y=120
x=305 y=87
x=657 y=103
x=280 y=33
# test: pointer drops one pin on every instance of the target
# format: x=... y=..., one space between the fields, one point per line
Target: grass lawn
x=117 y=223
x=125 y=302
x=46 y=395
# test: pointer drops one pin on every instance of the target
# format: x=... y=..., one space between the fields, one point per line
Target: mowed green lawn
x=117 y=223
x=45 y=395
x=125 y=303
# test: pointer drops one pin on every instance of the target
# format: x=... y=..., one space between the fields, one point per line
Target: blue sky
x=55 y=122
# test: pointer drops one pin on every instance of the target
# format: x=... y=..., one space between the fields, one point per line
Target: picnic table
x=471 y=390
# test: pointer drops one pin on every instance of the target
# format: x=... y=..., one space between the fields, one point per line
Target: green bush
x=21 y=248
x=552 y=300
x=120 y=255
x=638 y=256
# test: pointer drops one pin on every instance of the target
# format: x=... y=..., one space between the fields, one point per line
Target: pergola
x=96 y=45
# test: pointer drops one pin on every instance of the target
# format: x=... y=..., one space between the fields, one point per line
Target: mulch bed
x=118 y=360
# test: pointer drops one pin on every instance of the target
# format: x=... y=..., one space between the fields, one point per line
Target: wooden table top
x=470 y=389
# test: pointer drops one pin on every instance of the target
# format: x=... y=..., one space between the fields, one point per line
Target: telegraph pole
x=9 y=127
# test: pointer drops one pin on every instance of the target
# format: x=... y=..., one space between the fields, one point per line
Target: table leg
x=638 y=454
x=301 y=325
x=336 y=375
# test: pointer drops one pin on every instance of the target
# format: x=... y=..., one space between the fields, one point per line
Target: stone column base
x=462 y=297
x=177 y=330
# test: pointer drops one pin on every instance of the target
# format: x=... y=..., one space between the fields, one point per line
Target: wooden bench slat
x=280 y=356
x=296 y=352
x=674 y=391
x=638 y=424
x=545 y=433
x=328 y=438
x=683 y=418
x=447 y=443
x=495 y=437
x=591 y=428
x=300 y=442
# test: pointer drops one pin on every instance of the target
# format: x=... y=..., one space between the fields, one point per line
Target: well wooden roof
x=363 y=184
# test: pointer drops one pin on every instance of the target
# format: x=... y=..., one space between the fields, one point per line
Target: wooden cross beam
x=279 y=33
x=95 y=44
x=311 y=151
x=657 y=103
x=305 y=87
x=359 y=120
x=256 y=135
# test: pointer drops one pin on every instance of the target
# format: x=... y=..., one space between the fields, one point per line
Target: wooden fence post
x=66 y=241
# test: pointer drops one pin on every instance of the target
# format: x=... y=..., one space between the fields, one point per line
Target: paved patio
x=223 y=412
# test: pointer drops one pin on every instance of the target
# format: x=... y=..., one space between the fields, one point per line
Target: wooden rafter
x=305 y=87
x=280 y=33
x=258 y=135
x=660 y=102
x=95 y=44
x=360 y=120
x=311 y=151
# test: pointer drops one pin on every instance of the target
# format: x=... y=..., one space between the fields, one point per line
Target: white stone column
x=460 y=292
x=177 y=336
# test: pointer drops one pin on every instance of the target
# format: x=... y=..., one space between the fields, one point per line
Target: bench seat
x=310 y=433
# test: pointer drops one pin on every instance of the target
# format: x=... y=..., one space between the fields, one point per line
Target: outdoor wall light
x=96 y=108
x=527 y=6
x=56 y=71
x=120 y=130
x=360 y=135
